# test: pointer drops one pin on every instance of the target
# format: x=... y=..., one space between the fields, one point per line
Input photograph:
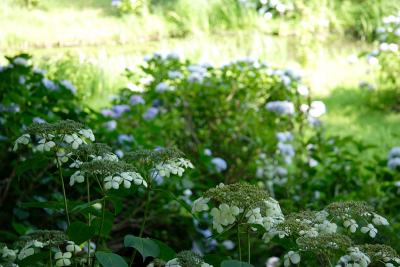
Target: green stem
x=146 y=211
x=248 y=247
x=239 y=245
x=103 y=211
x=63 y=189
x=51 y=258
x=89 y=218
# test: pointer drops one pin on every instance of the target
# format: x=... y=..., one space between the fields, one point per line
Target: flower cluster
x=281 y=107
x=284 y=147
x=112 y=172
x=35 y=243
x=355 y=257
x=394 y=158
x=159 y=163
x=187 y=259
x=173 y=166
x=57 y=136
x=240 y=203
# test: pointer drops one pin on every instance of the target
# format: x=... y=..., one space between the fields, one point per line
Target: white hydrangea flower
x=37 y=244
x=355 y=258
x=254 y=216
x=76 y=164
x=291 y=258
x=223 y=216
x=327 y=227
x=312 y=232
x=62 y=156
x=321 y=216
x=370 y=229
x=88 y=134
x=8 y=253
x=45 y=145
x=72 y=247
x=63 y=259
x=25 y=252
x=200 y=204
x=112 y=182
x=173 y=263
x=176 y=167
x=185 y=163
x=351 y=224
x=76 y=177
x=303 y=90
x=317 y=109
x=129 y=177
x=73 y=139
x=23 y=139
x=379 y=220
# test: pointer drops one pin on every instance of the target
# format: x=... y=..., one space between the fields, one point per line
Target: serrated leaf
x=109 y=259
x=145 y=246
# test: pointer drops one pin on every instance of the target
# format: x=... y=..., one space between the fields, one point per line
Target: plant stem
x=146 y=211
x=63 y=189
x=103 y=211
x=51 y=258
x=89 y=217
x=239 y=245
x=248 y=247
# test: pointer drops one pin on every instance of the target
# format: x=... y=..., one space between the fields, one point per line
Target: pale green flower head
x=60 y=127
x=104 y=168
x=324 y=243
x=53 y=237
x=150 y=158
x=242 y=195
x=379 y=253
x=92 y=150
x=188 y=258
x=349 y=209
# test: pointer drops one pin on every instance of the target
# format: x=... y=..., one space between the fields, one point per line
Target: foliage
x=249 y=136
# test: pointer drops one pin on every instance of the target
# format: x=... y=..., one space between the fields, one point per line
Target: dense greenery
x=198 y=164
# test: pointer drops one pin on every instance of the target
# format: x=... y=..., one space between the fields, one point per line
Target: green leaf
x=166 y=253
x=214 y=259
x=107 y=224
x=79 y=232
x=235 y=263
x=47 y=205
x=145 y=246
x=108 y=259
x=33 y=260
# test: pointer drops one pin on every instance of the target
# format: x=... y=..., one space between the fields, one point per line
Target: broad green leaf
x=38 y=257
x=145 y=246
x=108 y=259
x=166 y=253
x=107 y=224
x=79 y=232
x=235 y=263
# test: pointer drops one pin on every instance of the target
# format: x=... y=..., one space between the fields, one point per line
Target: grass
x=349 y=114
x=103 y=44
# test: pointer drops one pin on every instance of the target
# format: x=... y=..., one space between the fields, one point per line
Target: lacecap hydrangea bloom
x=239 y=203
x=59 y=135
x=187 y=259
